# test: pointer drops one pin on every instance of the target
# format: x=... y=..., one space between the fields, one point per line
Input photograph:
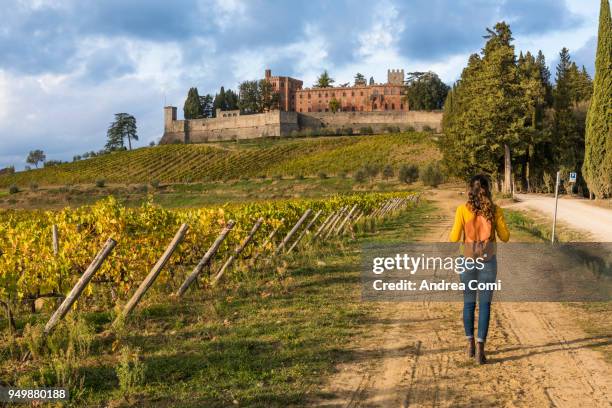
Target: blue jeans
x=488 y=274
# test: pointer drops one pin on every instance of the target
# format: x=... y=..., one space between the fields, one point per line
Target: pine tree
x=123 y=127
x=324 y=80
x=569 y=143
x=192 y=109
x=597 y=168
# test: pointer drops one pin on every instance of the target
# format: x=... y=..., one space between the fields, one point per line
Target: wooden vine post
x=322 y=226
x=332 y=225
x=291 y=233
x=154 y=273
x=348 y=217
x=304 y=231
x=237 y=252
x=205 y=259
x=269 y=239
x=80 y=285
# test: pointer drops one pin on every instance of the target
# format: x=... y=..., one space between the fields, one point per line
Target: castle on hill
x=372 y=106
x=360 y=97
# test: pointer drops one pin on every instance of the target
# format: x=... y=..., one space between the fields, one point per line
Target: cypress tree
x=192 y=109
x=597 y=168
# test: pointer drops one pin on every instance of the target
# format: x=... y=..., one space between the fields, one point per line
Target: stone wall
x=276 y=123
x=280 y=123
x=376 y=120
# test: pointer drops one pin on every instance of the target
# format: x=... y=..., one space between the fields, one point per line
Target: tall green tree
x=597 y=168
x=324 y=80
x=360 y=79
x=206 y=104
x=425 y=91
x=122 y=128
x=219 y=102
x=488 y=110
x=192 y=109
x=249 y=98
x=35 y=157
x=568 y=141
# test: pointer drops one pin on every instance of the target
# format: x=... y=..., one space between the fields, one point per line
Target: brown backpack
x=479 y=237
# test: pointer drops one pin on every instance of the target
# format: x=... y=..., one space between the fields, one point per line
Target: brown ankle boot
x=481 y=353
x=471 y=350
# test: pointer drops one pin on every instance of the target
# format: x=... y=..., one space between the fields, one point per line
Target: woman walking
x=477 y=223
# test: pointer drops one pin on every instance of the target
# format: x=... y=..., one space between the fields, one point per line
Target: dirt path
x=414 y=354
x=578 y=214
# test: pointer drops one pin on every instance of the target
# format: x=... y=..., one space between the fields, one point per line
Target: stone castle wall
x=280 y=123
x=378 y=121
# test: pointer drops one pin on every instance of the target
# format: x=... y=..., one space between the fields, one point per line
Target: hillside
x=230 y=161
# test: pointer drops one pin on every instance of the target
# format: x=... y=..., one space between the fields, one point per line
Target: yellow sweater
x=463 y=214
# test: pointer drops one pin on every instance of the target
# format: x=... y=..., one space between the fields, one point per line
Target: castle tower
x=169 y=117
x=395 y=76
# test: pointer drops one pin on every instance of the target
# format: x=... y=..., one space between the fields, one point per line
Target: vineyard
x=33 y=265
x=231 y=161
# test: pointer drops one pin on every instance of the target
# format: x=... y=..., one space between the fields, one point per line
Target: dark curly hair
x=480 y=201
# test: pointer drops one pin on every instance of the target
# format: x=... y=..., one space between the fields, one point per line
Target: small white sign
x=572 y=177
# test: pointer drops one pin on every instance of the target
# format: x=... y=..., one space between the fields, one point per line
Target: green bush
x=322 y=175
x=372 y=170
x=131 y=370
x=360 y=176
x=408 y=173
x=13 y=189
x=342 y=174
x=427 y=128
x=387 y=171
x=100 y=183
x=432 y=175
x=300 y=177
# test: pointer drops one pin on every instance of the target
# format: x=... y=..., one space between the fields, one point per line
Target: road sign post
x=552 y=238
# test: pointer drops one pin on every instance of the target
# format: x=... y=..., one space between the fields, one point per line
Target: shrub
x=100 y=183
x=366 y=130
x=131 y=370
x=372 y=170
x=432 y=175
x=322 y=175
x=360 y=176
x=300 y=177
x=13 y=189
x=342 y=174
x=427 y=128
x=155 y=183
x=278 y=177
x=348 y=131
x=33 y=186
x=387 y=171
x=408 y=173
x=410 y=129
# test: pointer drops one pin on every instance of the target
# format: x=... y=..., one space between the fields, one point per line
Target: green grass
x=231 y=161
x=267 y=338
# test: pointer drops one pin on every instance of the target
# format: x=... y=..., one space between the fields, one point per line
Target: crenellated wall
x=281 y=123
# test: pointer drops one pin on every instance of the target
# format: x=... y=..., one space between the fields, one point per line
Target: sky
x=66 y=66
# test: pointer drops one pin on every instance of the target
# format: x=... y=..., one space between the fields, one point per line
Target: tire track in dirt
x=414 y=354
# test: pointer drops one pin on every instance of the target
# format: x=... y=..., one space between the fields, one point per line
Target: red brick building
x=286 y=88
x=360 y=98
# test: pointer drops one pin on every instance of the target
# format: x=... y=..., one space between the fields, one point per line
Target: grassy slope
x=230 y=161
